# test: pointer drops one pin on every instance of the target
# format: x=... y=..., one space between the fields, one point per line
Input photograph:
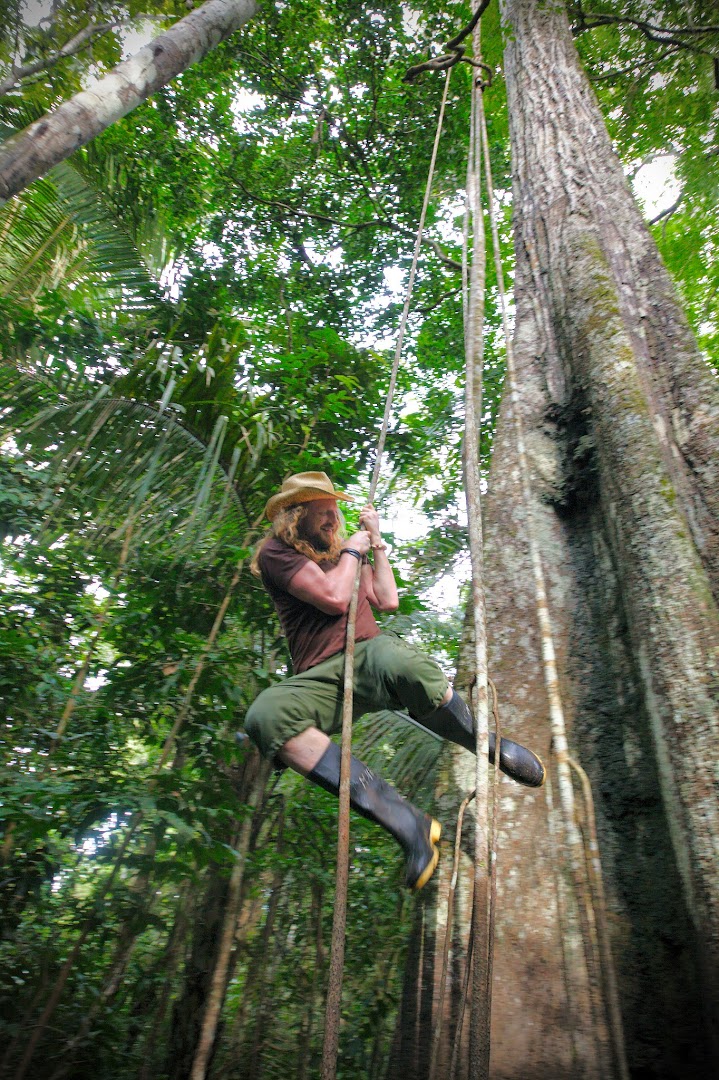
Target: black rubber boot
x=453 y=721
x=378 y=801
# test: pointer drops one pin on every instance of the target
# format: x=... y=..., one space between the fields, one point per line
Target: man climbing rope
x=309 y=572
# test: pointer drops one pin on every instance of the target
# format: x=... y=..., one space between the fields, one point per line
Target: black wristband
x=352 y=551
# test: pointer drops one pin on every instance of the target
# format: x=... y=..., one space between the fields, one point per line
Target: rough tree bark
x=622 y=420
x=623 y=417
x=29 y=154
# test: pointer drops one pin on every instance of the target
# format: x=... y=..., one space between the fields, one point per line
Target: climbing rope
x=434 y=1071
x=473 y=293
x=334 y=990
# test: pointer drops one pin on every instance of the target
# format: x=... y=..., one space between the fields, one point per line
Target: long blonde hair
x=285 y=527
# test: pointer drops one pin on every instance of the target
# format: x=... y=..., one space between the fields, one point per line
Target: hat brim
x=283 y=499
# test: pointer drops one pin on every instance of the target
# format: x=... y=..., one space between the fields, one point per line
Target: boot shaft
x=378 y=801
x=454 y=722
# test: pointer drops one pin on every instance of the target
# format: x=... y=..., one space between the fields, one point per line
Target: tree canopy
x=201 y=301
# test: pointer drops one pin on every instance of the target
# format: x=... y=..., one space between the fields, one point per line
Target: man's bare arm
x=379 y=579
x=331 y=592
x=380 y=583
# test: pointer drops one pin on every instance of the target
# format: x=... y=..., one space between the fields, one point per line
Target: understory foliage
x=201 y=302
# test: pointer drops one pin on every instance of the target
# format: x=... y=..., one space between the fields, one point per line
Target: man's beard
x=327 y=544
x=319 y=539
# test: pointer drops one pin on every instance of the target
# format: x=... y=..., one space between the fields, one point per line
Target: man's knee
x=405 y=663
x=259 y=722
x=274 y=717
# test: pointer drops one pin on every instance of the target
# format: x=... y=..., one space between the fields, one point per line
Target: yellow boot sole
x=435 y=831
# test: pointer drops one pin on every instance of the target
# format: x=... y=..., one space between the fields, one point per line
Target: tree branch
x=32 y=152
x=70 y=48
x=353 y=226
x=621 y=72
x=438 y=250
x=669 y=151
x=454 y=50
x=429 y=308
x=300 y=211
x=658 y=34
x=647 y=25
x=665 y=214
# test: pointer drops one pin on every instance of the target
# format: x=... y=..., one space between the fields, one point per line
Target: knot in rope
x=455 y=52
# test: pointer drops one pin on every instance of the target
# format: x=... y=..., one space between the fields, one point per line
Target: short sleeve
x=279 y=563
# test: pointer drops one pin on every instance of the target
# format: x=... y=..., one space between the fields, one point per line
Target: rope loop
x=455 y=51
x=440 y=63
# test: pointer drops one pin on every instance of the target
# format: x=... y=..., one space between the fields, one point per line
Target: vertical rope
x=454 y=1064
x=594 y=865
x=339 y=923
x=479 y=1040
x=493 y=852
x=436 y=1037
x=408 y=296
x=574 y=1019
x=437 y=1033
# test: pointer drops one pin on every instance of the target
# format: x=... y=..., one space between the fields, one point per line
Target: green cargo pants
x=389 y=673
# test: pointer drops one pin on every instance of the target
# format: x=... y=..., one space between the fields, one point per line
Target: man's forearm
x=331 y=591
x=385 y=587
x=341 y=579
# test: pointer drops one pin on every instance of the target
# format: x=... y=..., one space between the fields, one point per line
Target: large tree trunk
x=30 y=153
x=622 y=417
x=622 y=423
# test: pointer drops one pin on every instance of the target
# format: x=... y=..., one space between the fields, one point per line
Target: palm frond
x=62 y=233
x=400 y=749
x=105 y=460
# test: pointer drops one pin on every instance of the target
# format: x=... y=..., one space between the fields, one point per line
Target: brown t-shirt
x=312 y=635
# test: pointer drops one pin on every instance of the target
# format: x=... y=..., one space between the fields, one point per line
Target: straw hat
x=301 y=488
